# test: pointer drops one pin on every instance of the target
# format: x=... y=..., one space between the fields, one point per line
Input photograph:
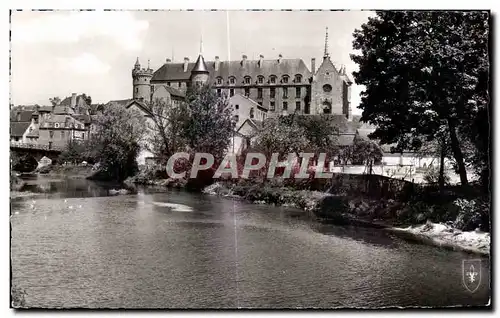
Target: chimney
x=73 y=100
x=217 y=64
x=186 y=62
x=168 y=60
x=279 y=58
x=261 y=60
x=313 y=65
x=243 y=59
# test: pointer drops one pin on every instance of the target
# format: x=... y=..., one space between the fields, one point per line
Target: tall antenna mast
x=326 y=44
x=228 y=37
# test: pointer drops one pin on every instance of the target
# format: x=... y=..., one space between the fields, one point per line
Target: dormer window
x=298 y=78
x=219 y=80
x=232 y=80
x=272 y=79
x=260 y=79
x=247 y=79
x=285 y=79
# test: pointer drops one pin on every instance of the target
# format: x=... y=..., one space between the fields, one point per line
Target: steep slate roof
x=238 y=69
x=200 y=66
x=63 y=110
x=17 y=129
x=47 y=109
x=79 y=101
x=121 y=102
x=83 y=118
x=20 y=115
x=34 y=133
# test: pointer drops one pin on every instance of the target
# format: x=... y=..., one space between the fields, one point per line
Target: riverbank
x=396 y=217
x=73 y=171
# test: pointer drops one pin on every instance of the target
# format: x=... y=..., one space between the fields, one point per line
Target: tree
x=363 y=152
x=87 y=99
x=209 y=125
x=424 y=74
x=166 y=129
x=23 y=162
x=55 y=101
x=116 y=141
x=77 y=151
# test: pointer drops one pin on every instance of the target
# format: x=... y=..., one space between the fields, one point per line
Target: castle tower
x=141 y=81
x=199 y=73
x=330 y=88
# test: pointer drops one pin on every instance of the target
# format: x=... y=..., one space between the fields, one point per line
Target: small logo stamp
x=471 y=274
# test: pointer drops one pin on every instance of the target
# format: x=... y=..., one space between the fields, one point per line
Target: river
x=74 y=245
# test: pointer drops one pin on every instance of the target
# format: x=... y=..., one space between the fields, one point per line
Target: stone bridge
x=36 y=151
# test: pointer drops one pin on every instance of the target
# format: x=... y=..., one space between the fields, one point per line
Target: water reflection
x=174 y=249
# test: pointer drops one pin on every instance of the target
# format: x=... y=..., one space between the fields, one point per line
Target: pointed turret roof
x=200 y=66
x=137 y=64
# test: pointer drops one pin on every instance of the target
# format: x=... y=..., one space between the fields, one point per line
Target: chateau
x=280 y=85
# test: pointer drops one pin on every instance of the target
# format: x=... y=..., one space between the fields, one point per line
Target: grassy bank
x=454 y=225
x=72 y=171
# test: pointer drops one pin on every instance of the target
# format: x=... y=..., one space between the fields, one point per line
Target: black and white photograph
x=250 y=159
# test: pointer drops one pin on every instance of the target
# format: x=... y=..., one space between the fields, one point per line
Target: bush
x=471 y=214
x=432 y=176
x=23 y=163
x=18 y=297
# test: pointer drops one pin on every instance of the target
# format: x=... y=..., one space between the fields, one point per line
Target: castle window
x=56 y=125
x=273 y=92
x=219 y=92
x=152 y=88
x=285 y=105
x=236 y=106
x=285 y=79
x=298 y=78
x=297 y=105
x=247 y=79
x=236 y=117
x=247 y=91
x=285 y=92
x=272 y=79
x=51 y=134
x=306 y=109
x=137 y=89
x=272 y=106
x=327 y=88
x=259 y=93
x=219 y=80
x=179 y=84
x=251 y=112
x=231 y=92
x=232 y=80
x=297 y=92
x=327 y=107
x=260 y=79
x=168 y=83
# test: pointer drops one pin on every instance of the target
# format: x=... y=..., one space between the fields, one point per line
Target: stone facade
x=282 y=86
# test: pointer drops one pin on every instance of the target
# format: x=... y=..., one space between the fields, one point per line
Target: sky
x=56 y=53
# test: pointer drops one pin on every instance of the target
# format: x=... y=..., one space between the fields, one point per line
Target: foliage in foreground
x=116 y=142
x=23 y=162
x=426 y=75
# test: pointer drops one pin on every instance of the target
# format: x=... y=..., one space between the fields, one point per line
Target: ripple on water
x=126 y=252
